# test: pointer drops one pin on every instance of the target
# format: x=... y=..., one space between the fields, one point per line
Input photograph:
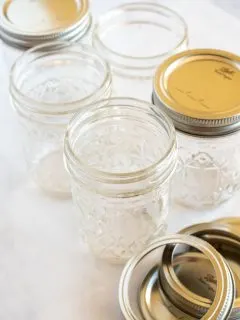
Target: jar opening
x=58 y=78
x=122 y=33
x=121 y=141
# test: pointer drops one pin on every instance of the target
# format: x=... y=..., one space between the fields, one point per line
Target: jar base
x=51 y=177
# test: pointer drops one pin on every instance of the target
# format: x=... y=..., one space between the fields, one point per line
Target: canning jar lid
x=232 y=221
x=140 y=288
x=50 y=20
x=199 y=90
x=201 y=285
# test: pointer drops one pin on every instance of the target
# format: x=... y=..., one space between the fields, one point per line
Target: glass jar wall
x=135 y=38
x=48 y=84
x=121 y=154
x=208 y=171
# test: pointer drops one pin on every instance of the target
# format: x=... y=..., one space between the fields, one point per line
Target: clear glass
x=209 y=170
x=135 y=38
x=47 y=85
x=120 y=154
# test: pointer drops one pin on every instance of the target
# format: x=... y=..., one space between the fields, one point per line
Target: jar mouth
x=150 y=60
x=77 y=51
x=104 y=108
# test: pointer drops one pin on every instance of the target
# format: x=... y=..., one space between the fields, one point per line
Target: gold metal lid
x=50 y=19
x=202 y=230
x=137 y=270
x=232 y=221
x=188 y=275
x=199 y=90
x=154 y=303
x=196 y=273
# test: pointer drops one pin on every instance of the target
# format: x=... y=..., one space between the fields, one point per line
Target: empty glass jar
x=120 y=154
x=135 y=38
x=48 y=84
x=199 y=89
x=25 y=24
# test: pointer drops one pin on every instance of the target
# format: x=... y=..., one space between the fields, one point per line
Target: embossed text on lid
x=199 y=89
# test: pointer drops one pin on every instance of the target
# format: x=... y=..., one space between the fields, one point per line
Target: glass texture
x=48 y=84
x=135 y=38
x=208 y=171
x=120 y=155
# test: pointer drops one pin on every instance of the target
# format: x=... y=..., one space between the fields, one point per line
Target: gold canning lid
x=140 y=278
x=232 y=221
x=199 y=90
x=194 y=273
x=50 y=20
x=154 y=303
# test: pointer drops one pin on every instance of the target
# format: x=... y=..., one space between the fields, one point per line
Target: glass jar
x=135 y=38
x=120 y=154
x=199 y=89
x=208 y=171
x=50 y=20
x=47 y=85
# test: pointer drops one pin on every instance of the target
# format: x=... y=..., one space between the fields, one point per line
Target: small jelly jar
x=48 y=84
x=134 y=38
x=199 y=90
x=120 y=154
x=26 y=24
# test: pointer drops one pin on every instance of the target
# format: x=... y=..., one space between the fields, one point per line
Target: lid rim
x=196 y=121
x=196 y=126
x=17 y=38
x=224 y=298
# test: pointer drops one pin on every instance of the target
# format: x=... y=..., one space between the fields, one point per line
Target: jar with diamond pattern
x=120 y=154
x=48 y=84
x=198 y=89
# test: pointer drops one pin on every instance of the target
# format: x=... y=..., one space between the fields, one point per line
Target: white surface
x=44 y=273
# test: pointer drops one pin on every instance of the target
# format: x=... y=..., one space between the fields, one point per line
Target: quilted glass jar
x=199 y=89
x=134 y=38
x=48 y=84
x=121 y=155
x=65 y=20
x=208 y=171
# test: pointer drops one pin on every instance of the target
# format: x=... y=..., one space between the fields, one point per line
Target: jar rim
x=41 y=107
x=121 y=177
x=130 y=7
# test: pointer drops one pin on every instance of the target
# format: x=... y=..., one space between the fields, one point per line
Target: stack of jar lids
x=192 y=275
x=50 y=20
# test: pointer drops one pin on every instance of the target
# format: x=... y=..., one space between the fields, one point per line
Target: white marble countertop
x=45 y=274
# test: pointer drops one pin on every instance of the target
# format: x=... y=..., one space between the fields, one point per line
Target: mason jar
x=120 y=154
x=65 y=20
x=199 y=90
x=48 y=84
x=134 y=38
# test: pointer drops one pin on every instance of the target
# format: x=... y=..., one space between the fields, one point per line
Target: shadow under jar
x=199 y=90
x=135 y=38
x=120 y=154
x=54 y=20
x=48 y=84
